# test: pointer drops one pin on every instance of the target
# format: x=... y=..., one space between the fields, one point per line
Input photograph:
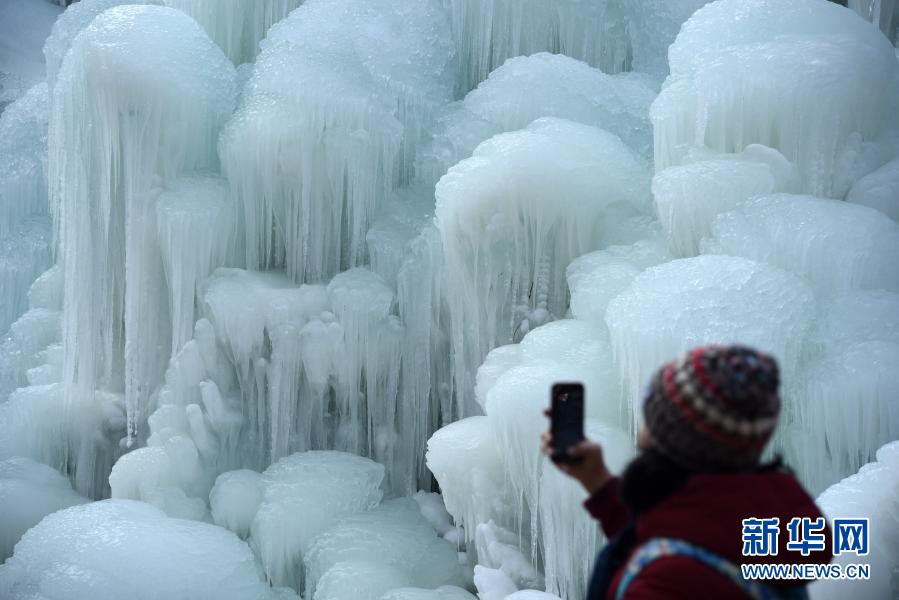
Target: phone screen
x=567 y=426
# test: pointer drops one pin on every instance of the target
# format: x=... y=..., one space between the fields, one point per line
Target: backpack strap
x=657 y=548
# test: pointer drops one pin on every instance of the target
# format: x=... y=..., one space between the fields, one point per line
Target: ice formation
x=740 y=75
x=121 y=548
x=512 y=217
x=114 y=322
x=258 y=257
x=329 y=125
x=558 y=86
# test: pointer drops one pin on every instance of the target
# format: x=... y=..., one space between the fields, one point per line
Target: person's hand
x=590 y=470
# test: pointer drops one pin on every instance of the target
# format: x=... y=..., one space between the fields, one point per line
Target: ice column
x=126 y=120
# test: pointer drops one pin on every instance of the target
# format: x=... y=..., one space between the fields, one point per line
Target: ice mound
x=595 y=279
x=525 y=88
x=740 y=75
x=69 y=24
x=340 y=97
x=306 y=494
x=120 y=548
x=488 y=32
x=28 y=492
x=873 y=492
x=839 y=246
x=362 y=579
x=237 y=26
x=176 y=99
x=395 y=535
x=513 y=216
x=685 y=303
x=688 y=197
x=444 y=592
x=879 y=190
x=465 y=460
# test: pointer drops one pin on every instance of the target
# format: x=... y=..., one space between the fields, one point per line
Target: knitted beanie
x=715 y=408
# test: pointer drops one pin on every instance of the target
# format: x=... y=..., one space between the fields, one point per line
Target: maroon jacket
x=707 y=511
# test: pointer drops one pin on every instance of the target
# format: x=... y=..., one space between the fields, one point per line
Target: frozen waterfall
x=274 y=272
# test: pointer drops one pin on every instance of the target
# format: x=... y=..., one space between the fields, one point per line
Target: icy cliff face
x=270 y=267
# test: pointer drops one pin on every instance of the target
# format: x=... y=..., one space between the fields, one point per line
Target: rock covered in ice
x=531 y=595
x=688 y=197
x=237 y=26
x=121 y=548
x=395 y=535
x=513 y=216
x=871 y=493
x=879 y=190
x=596 y=278
x=23 y=158
x=740 y=74
x=328 y=125
x=526 y=88
x=497 y=548
x=306 y=494
x=839 y=246
x=493 y=584
x=489 y=32
x=29 y=491
x=159 y=114
x=362 y=579
x=685 y=303
x=24 y=254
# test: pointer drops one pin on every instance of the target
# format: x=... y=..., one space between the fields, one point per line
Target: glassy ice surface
x=284 y=284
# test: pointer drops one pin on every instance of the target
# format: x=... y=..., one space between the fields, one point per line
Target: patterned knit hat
x=715 y=408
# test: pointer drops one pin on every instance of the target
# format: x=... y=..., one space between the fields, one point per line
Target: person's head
x=712 y=410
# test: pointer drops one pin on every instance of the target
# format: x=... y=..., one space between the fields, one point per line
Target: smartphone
x=566 y=419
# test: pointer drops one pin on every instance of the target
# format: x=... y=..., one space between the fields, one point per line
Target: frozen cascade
x=277 y=307
x=558 y=86
x=513 y=216
x=740 y=75
x=329 y=125
x=121 y=127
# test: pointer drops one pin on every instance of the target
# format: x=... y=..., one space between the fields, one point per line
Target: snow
x=121 y=548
